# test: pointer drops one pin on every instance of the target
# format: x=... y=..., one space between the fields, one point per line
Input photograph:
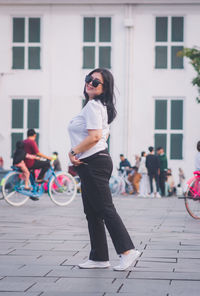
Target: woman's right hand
x=75 y=161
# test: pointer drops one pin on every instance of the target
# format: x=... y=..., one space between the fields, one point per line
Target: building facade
x=47 y=48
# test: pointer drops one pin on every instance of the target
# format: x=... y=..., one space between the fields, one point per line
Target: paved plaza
x=41 y=245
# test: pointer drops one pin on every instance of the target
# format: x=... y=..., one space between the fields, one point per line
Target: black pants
x=162 y=178
x=99 y=208
x=156 y=177
x=43 y=165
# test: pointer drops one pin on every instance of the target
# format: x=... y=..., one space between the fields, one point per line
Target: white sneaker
x=127 y=260
x=94 y=264
x=158 y=195
x=152 y=194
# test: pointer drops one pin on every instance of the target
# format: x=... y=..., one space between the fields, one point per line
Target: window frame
x=97 y=43
x=169 y=43
x=24 y=129
x=26 y=44
x=169 y=131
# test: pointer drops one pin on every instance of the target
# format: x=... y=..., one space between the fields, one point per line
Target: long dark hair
x=107 y=98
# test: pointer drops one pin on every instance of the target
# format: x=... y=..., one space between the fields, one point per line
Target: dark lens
x=88 y=79
x=95 y=82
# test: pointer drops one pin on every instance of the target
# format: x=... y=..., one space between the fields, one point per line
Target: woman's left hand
x=75 y=161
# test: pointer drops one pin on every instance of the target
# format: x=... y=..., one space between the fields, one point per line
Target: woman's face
x=94 y=91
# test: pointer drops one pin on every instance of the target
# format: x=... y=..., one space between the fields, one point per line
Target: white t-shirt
x=92 y=116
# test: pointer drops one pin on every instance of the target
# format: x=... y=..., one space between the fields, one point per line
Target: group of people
x=150 y=169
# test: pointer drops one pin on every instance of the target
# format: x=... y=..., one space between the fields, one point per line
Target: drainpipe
x=128 y=23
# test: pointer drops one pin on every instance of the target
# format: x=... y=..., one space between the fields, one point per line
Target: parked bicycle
x=192 y=196
x=61 y=187
x=120 y=184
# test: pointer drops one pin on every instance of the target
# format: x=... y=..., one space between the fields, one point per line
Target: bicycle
x=113 y=184
x=120 y=184
x=61 y=187
x=192 y=196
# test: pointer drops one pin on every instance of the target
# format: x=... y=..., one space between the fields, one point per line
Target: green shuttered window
x=26 y=48
x=161 y=57
x=34 y=30
x=176 y=114
x=161 y=29
x=177 y=29
x=176 y=146
x=88 y=57
x=105 y=29
x=89 y=29
x=25 y=115
x=169 y=127
x=18 y=30
x=18 y=57
x=17 y=113
x=96 y=42
x=15 y=137
x=176 y=61
x=160 y=114
x=160 y=140
x=33 y=114
x=169 y=38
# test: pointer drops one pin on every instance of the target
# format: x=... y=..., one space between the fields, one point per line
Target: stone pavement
x=41 y=245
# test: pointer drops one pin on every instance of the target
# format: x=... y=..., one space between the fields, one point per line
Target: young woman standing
x=88 y=132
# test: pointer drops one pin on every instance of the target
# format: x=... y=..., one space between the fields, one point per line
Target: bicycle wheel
x=62 y=189
x=10 y=184
x=192 y=198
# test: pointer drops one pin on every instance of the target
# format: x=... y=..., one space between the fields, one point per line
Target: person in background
x=30 y=146
x=18 y=160
x=1 y=163
x=56 y=163
x=163 y=169
x=124 y=164
x=144 y=182
x=153 y=167
x=136 y=180
x=170 y=183
x=181 y=180
x=137 y=160
x=197 y=157
x=89 y=132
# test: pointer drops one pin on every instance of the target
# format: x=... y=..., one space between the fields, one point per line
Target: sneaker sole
x=94 y=267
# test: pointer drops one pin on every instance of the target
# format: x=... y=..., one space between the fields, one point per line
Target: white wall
x=60 y=82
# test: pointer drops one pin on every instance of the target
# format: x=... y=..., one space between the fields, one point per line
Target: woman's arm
x=93 y=137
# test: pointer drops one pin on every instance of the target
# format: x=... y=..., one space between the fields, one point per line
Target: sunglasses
x=95 y=81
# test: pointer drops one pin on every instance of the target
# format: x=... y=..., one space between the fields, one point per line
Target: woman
x=88 y=133
x=144 y=183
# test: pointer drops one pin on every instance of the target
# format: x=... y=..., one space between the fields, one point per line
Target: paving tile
x=142 y=287
x=22 y=284
x=86 y=273
x=184 y=288
x=163 y=275
x=88 y=285
x=160 y=253
x=55 y=293
x=4 y=293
